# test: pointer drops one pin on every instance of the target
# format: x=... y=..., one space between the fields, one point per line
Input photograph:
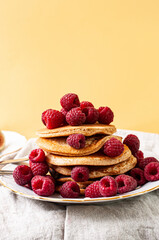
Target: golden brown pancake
x=2 y=141
x=96 y=171
x=96 y=159
x=59 y=145
x=86 y=130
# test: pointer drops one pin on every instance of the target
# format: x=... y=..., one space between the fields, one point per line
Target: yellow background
x=105 y=51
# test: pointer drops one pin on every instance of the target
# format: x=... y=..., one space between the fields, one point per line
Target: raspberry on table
x=39 y=168
x=85 y=104
x=53 y=118
x=139 y=155
x=80 y=173
x=108 y=186
x=113 y=147
x=75 y=117
x=143 y=162
x=69 y=101
x=91 y=113
x=106 y=115
x=132 y=142
x=43 y=186
x=76 y=141
x=138 y=175
x=37 y=155
x=70 y=189
x=22 y=174
x=92 y=190
x=151 y=171
x=125 y=183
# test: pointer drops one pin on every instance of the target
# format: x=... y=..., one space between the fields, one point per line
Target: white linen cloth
x=134 y=218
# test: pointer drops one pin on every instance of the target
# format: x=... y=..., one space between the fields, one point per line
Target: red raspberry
x=80 y=174
x=108 y=186
x=53 y=118
x=139 y=155
x=106 y=115
x=51 y=178
x=22 y=174
x=75 y=117
x=76 y=141
x=85 y=104
x=70 y=189
x=39 y=168
x=113 y=147
x=143 y=162
x=69 y=101
x=151 y=171
x=138 y=175
x=132 y=142
x=92 y=191
x=63 y=111
x=125 y=183
x=37 y=155
x=42 y=186
x=91 y=113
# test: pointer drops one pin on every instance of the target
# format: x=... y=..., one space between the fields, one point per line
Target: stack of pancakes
x=62 y=158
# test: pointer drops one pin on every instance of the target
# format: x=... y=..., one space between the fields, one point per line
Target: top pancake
x=86 y=130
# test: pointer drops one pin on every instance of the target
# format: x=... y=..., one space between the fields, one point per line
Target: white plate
x=9 y=183
x=13 y=142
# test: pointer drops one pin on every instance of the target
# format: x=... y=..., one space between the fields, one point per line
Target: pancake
x=86 y=130
x=2 y=141
x=96 y=171
x=96 y=159
x=59 y=146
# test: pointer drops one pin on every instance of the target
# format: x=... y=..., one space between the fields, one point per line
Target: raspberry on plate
x=125 y=183
x=132 y=142
x=22 y=174
x=108 y=186
x=106 y=115
x=91 y=113
x=76 y=141
x=92 y=191
x=80 y=174
x=138 y=175
x=43 y=186
x=139 y=155
x=51 y=178
x=39 y=168
x=151 y=171
x=70 y=189
x=37 y=155
x=85 y=104
x=53 y=118
x=69 y=101
x=143 y=162
x=75 y=117
x=113 y=147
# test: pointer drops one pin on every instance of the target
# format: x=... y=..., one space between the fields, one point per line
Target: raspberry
x=85 y=104
x=76 y=141
x=91 y=113
x=80 y=174
x=22 y=174
x=92 y=191
x=75 y=117
x=125 y=183
x=69 y=101
x=70 y=189
x=108 y=186
x=63 y=111
x=113 y=147
x=132 y=142
x=53 y=118
x=151 y=171
x=51 y=178
x=37 y=155
x=138 y=175
x=143 y=162
x=106 y=115
x=42 y=186
x=39 y=168
x=139 y=155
